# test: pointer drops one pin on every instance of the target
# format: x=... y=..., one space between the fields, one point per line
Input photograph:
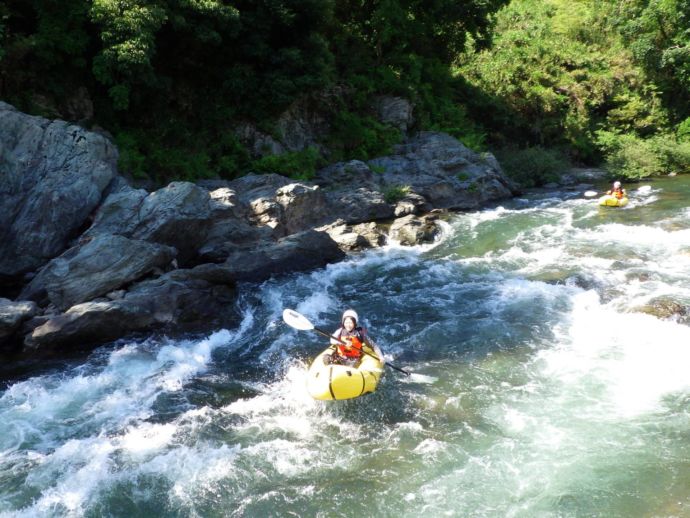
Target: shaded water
x=540 y=389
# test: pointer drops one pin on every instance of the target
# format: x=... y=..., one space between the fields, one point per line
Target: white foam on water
x=125 y=387
x=192 y=470
x=287 y=458
x=635 y=359
x=645 y=236
x=445 y=230
x=430 y=447
x=416 y=377
x=69 y=476
x=147 y=438
x=527 y=428
x=607 y=370
x=286 y=406
x=103 y=405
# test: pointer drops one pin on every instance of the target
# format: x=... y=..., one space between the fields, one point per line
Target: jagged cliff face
x=96 y=259
x=53 y=176
x=309 y=121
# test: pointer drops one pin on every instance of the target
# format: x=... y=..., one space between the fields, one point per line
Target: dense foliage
x=540 y=81
x=596 y=80
x=171 y=79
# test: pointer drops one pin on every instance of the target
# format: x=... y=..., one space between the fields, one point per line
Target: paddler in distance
x=617 y=191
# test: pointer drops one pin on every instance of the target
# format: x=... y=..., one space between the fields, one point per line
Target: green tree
x=44 y=52
x=658 y=34
x=557 y=73
x=128 y=34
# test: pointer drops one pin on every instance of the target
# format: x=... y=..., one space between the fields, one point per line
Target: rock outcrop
x=12 y=315
x=444 y=173
x=52 y=177
x=178 y=215
x=93 y=269
x=666 y=307
x=102 y=259
x=173 y=299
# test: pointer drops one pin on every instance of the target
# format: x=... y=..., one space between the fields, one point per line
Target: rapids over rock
x=549 y=343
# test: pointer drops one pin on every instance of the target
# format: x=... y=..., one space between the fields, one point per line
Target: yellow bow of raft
x=328 y=381
x=609 y=200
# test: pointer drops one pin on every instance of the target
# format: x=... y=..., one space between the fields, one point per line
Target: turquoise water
x=539 y=388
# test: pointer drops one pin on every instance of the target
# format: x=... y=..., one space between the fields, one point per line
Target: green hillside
x=542 y=83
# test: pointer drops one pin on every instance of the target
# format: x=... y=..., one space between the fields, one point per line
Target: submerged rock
x=666 y=308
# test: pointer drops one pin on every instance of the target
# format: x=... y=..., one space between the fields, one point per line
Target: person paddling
x=353 y=335
x=617 y=191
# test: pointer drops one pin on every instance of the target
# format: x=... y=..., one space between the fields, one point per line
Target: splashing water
x=541 y=386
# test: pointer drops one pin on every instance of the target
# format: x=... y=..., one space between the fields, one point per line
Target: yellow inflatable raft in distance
x=609 y=200
x=328 y=382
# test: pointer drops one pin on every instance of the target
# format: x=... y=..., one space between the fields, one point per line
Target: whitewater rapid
x=541 y=388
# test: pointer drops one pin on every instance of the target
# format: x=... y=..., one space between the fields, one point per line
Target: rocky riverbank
x=86 y=258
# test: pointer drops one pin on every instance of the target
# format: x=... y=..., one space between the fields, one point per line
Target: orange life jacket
x=355 y=340
x=618 y=193
x=355 y=351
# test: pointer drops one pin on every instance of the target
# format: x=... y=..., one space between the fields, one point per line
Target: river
x=539 y=388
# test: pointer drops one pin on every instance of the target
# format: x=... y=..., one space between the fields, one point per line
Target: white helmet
x=350 y=313
x=616 y=185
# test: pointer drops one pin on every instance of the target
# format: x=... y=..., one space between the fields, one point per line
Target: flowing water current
x=540 y=386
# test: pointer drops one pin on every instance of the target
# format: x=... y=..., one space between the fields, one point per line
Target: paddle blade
x=297 y=320
x=589 y=194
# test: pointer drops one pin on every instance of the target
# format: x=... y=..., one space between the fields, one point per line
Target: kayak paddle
x=641 y=188
x=299 y=321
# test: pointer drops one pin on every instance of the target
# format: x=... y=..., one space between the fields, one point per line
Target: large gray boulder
x=414 y=230
x=277 y=202
x=303 y=207
x=353 y=174
x=352 y=238
x=253 y=187
x=119 y=213
x=173 y=301
x=296 y=253
x=230 y=228
x=94 y=268
x=52 y=176
x=257 y=194
x=443 y=171
x=358 y=205
x=178 y=215
x=229 y=234
x=395 y=111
